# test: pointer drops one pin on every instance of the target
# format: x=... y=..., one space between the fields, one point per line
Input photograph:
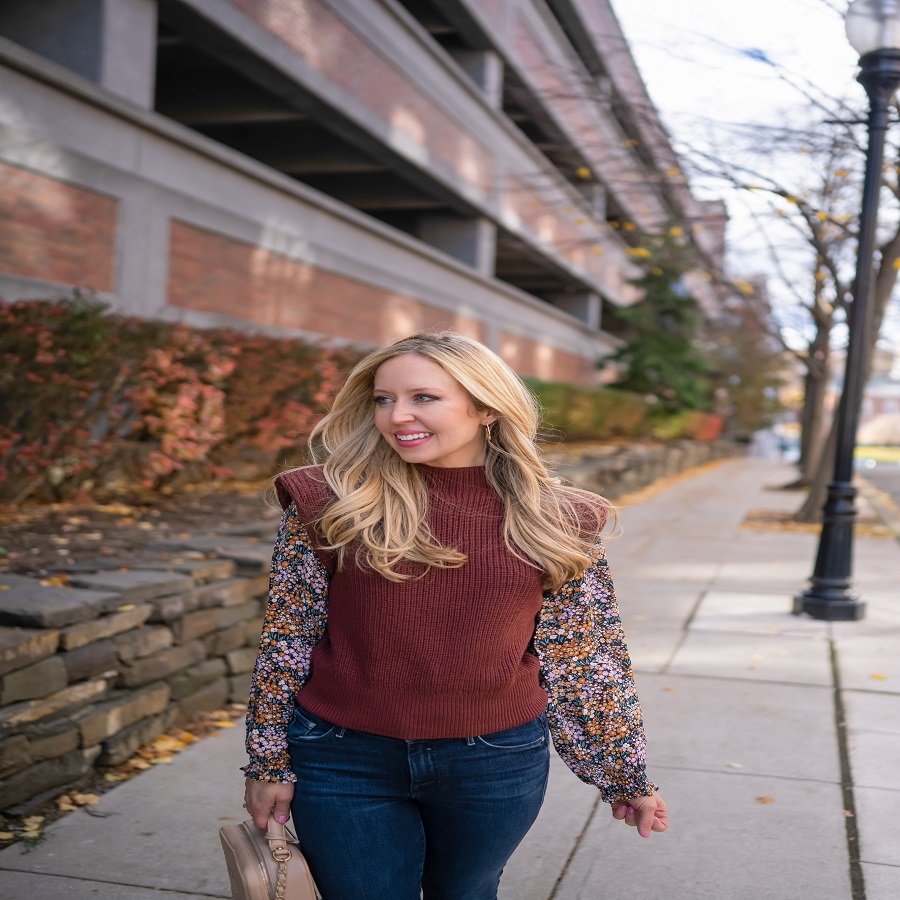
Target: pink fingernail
x=282 y=820
x=645 y=834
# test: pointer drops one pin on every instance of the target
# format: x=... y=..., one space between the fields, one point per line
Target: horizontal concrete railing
x=95 y=668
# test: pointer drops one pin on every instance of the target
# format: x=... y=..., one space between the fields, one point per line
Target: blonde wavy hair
x=382 y=501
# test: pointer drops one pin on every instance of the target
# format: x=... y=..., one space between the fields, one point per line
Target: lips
x=412 y=437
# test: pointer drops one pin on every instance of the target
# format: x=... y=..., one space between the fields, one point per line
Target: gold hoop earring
x=487 y=431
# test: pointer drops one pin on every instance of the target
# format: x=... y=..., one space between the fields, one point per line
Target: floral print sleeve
x=594 y=715
x=294 y=623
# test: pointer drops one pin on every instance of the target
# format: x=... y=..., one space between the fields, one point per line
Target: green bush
x=580 y=413
x=602 y=414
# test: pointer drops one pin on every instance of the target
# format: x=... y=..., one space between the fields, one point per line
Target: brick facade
x=369 y=62
x=212 y=273
x=330 y=46
x=61 y=233
x=536 y=360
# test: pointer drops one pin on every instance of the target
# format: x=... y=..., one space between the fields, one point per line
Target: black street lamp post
x=873 y=27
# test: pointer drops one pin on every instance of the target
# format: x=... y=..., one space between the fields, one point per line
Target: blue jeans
x=380 y=818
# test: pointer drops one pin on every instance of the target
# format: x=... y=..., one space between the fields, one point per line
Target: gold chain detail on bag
x=281 y=857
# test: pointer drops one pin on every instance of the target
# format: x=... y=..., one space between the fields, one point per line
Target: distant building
x=344 y=169
x=879 y=415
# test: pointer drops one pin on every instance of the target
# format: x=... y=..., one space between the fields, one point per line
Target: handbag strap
x=279 y=836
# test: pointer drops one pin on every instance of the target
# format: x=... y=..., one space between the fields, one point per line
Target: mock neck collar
x=458 y=477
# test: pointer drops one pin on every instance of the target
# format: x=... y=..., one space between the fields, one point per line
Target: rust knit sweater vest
x=444 y=655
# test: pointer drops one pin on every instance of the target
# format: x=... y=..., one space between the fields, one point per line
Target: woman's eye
x=425 y=398
x=382 y=401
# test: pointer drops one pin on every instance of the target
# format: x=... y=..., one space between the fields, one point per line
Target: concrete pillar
x=595 y=194
x=129 y=49
x=471 y=241
x=109 y=42
x=485 y=68
x=583 y=305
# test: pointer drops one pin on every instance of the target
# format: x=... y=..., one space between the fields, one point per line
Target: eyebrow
x=418 y=390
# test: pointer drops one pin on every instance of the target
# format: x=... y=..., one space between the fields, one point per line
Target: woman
x=469 y=614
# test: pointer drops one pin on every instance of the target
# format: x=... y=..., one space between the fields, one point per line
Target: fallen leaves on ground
x=766 y=801
x=643 y=494
x=69 y=802
x=119 y=531
x=781 y=520
x=61 y=580
x=30 y=830
x=160 y=751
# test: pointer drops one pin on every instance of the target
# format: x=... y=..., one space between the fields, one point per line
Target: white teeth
x=413 y=437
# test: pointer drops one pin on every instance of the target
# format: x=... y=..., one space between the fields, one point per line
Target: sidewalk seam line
x=857 y=881
x=739 y=774
x=685 y=631
x=143 y=887
x=748 y=680
x=575 y=846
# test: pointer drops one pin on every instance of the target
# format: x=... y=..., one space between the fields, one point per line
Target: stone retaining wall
x=95 y=668
x=617 y=469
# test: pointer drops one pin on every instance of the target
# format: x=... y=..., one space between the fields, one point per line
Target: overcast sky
x=725 y=61
x=720 y=58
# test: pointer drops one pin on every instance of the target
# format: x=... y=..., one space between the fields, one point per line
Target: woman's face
x=426 y=416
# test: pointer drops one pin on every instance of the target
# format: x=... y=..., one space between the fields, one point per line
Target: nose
x=400 y=413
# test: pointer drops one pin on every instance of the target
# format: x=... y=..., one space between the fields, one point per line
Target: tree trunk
x=812 y=417
x=820 y=477
x=885 y=280
x=815 y=387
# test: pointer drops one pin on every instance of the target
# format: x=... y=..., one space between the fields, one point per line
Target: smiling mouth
x=418 y=436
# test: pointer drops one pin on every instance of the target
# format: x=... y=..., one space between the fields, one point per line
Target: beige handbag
x=262 y=865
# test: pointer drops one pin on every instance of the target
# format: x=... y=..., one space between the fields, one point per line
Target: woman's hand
x=644 y=813
x=262 y=798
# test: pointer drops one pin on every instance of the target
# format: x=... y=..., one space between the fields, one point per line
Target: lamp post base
x=831 y=600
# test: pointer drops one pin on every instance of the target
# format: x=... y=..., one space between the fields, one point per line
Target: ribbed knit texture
x=444 y=655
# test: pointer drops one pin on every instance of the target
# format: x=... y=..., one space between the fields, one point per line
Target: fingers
x=644 y=820
x=258 y=805
x=262 y=799
x=282 y=810
x=647 y=814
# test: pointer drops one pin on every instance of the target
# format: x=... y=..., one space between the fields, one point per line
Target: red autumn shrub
x=94 y=404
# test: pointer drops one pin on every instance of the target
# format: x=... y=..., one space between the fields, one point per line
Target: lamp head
x=873 y=25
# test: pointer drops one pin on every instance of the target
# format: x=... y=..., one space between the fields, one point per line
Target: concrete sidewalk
x=741 y=699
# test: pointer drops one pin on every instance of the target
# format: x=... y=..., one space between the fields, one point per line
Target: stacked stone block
x=617 y=469
x=94 y=669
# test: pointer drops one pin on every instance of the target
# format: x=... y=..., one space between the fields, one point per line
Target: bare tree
x=802 y=185
x=822 y=212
